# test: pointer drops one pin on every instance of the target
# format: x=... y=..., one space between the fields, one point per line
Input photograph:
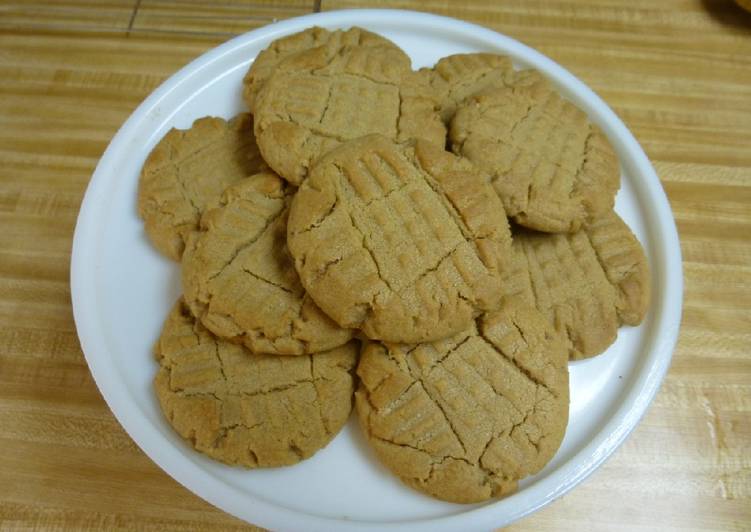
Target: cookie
x=465 y=418
x=552 y=168
x=271 y=57
x=456 y=77
x=186 y=173
x=569 y=287
x=399 y=240
x=246 y=409
x=328 y=95
x=240 y=281
x=587 y=283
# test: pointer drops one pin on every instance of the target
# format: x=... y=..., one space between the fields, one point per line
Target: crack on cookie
x=364 y=76
x=319 y=407
x=182 y=392
x=309 y=129
x=443 y=356
x=391 y=442
x=438 y=264
x=524 y=371
x=631 y=267
x=372 y=254
x=363 y=237
x=243 y=246
x=378 y=385
x=267 y=281
x=457 y=216
x=320 y=221
x=275 y=389
x=522 y=121
x=172 y=161
x=453 y=211
x=448 y=419
x=397 y=401
x=493 y=437
x=524 y=211
x=327 y=104
x=182 y=187
x=385 y=198
x=324 y=270
x=584 y=157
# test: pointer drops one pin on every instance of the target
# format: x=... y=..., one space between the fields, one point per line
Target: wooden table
x=677 y=71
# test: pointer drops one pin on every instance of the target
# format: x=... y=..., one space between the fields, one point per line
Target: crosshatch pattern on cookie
x=273 y=57
x=402 y=241
x=622 y=259
x=587 y=283
x=456 y=77
x=246 y=409
x=570 y=289
x=305 y=111
x=465 y=418
x=551 y=167
x=186 y=173
x=239 y=279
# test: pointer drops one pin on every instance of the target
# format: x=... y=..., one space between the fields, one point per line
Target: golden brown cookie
x=587 y=283
x=552 y=168
x=186 y=173
x=456 y=77
x=328 y=95
x=270 y=58
x=399 y=240
x=240 y=281
x=246 y=409
x=464 y=418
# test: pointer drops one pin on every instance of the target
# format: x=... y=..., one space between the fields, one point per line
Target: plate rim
x=617 y=428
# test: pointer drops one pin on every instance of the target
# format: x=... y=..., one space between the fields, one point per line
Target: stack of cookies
x=431 y=246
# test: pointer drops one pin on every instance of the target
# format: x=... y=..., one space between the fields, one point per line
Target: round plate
x=123 y=289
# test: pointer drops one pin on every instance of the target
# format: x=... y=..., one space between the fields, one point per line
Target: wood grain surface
x=678 y=72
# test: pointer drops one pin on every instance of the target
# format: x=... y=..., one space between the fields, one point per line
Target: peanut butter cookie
x=246 y=409
x=587 y=283
x=328 y=95
x=552 y=168
x=240 y=281
x=465 y=418
x=186 y=173
x=272 y=57
x=399 y=240
x=456 y=77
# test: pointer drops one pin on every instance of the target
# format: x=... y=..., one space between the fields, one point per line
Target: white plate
x=123 y=289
